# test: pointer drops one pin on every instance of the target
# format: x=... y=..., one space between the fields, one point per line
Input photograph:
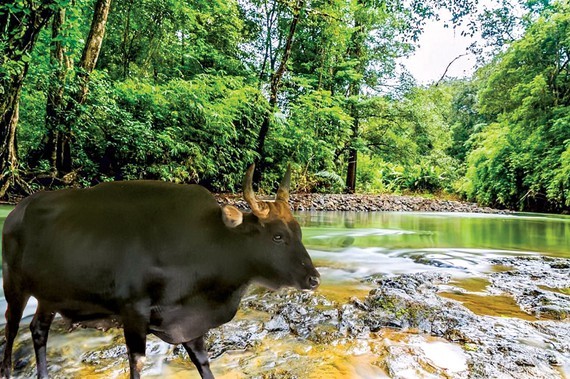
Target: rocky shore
x=366 y=203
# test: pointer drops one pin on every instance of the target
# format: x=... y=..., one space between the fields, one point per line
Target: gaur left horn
x=259 y=208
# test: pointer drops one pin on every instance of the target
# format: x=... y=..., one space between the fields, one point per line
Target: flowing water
x=347 y=248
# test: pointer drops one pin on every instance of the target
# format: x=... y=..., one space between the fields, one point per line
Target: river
x=348 y=248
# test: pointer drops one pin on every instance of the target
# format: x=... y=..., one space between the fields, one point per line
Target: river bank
x=367 y=203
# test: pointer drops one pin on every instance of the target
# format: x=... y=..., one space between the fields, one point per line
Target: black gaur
x=156 y=257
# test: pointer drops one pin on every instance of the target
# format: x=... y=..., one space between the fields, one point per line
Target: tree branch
x=447 y=68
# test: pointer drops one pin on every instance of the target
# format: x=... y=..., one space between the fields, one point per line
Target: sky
x=438 y=46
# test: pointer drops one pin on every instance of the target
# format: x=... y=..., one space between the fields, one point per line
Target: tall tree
x=275 y=82
x=355 y=54
x=20 y=24
x=62 y=147
x=50 y=148
x=382 y=33
x=173 y=39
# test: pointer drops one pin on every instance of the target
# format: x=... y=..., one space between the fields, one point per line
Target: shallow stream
x=347 y=248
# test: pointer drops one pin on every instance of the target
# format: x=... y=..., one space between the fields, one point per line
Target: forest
x=195 y=91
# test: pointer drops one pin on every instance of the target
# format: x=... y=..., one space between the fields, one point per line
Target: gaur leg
x=16 y=304
x=199 y=356
x=40 y=330
x=135 y=325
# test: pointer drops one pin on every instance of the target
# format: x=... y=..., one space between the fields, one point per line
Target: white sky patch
x=438 y=47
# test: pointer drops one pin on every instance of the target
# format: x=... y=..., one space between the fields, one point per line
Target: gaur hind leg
x=40 y=330
x=199 y=355
x=16 y=303
x=135 y=325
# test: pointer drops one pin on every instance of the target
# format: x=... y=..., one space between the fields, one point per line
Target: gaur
x=156 y=257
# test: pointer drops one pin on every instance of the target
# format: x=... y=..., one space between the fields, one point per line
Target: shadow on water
x=348 y=248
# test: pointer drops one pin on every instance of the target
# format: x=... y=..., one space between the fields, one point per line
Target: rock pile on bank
x=366 y=203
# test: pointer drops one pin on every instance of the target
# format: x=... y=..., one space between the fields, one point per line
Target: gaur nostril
x=314 y=281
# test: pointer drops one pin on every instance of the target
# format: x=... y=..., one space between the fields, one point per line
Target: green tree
x=170 y=39
x=382 y=33
x=21 y=23
x=406 y=141
x=519 y=157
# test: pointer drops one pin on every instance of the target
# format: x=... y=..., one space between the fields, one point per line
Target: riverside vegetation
x=195 y=91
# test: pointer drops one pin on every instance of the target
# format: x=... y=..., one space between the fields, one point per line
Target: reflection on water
x=347 y=248
x=352 y=245
x=394 y=230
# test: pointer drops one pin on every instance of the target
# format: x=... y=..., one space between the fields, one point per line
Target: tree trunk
x=276 y=78
x=8 y=153
x=92 y=48
x=19 y=33
x=355 y=52
x=270 y=21
x=125 y=44
x=53 y=144
x=352 y=159
x=85 y=67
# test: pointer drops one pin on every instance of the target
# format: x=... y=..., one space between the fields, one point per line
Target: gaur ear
x=232 y=216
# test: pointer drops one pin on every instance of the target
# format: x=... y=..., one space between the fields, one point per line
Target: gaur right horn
x=283 y=191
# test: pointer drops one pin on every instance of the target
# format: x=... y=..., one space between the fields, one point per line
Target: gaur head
x=275 y=237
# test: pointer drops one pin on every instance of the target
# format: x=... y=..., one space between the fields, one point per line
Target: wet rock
x=112 y=353
x=351 y=322
x=408 y=301
x=310 y=317
x=536 y=284
x=433 y=262
x=234 y=336
x=277 y=324
x=409 y=359
x=495 y=347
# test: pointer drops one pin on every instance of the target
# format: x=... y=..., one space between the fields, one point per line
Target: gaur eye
x=278 y=238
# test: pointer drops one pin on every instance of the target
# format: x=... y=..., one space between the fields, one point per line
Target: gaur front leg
x=199 y=356
x=16 y=305
x=40 y=329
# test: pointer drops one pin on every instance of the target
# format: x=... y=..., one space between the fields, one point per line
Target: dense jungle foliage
x=195 y=91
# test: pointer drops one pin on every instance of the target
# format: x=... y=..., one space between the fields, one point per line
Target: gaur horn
x=283 y=191
x=259 y=208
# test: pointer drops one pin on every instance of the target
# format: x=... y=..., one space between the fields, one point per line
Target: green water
x=349 y=246
x=544 y=234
